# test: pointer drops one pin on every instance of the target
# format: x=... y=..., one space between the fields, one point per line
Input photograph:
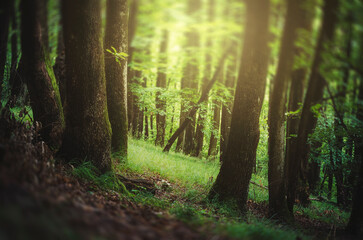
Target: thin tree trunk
x=146 y=137
x=276 y=115
x=199 y=134
x=240 y=156
x=191 y=72
x=299 y=146
x=116 y=73
x=44 y=95
x=355 y=224
x=193 y=111
x=88 y=131
x=59 y=66
x=132 y=25
x=161 y=83
x=4 y=33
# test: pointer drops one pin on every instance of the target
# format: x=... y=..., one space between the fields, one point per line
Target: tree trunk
x=276 y=115
x=299 y=146
x=230 y=81
x=59 y=66
x=213 y=151
x=161 y=84
x=191 y=72
x=132 y=25
x=298 y=78
x=4 y=33
x=44 y=94
x=116 y=73
x=88 y=131
x=355 y=224
x=15 y=81
x=240 y=156
x=199 y=135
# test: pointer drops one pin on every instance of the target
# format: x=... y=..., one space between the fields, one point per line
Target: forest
x=187 y=119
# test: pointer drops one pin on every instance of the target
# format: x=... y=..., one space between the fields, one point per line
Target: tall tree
x=88 y=132
x=44 y=94
x=199 y=134
x=132 y=25
x=190 y=77
x=276 y=115
x=299 y=145
x=161 y=83
x=230 y=80
x=4 y=33
x=240 y=156
x=116 y=72
x=298 y=78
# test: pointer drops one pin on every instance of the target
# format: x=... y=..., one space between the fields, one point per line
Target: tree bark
x=161 y=84
x=276 y=116
x=4 y=33
x=199 y=134
x=132 y=25
x=44 y=94
x=59 y=66
x=240 y=156
x=88 y=131
x=299 y=146
x=116 y=73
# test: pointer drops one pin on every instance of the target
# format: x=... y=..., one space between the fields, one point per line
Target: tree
x=132 y=25
x=199 y=134
x=231 y=72
x=161 y=83
x=276 y=115
x=43 y=91
x=299 y=145
x=116 y=72
x=88 y=132
x=4 y=33
x=190 y=79
x=240 y=156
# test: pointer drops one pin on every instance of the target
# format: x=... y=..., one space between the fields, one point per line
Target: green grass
x=144 y=157
x=325 y=212
x=194 y=174
x=194 y=177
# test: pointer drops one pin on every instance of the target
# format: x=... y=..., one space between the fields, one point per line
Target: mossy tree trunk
x=239 y=159
x=116 y=73
x=299 y=146
x=43 y=91
x=276 y=116
x=88 y=130
x=161 y=83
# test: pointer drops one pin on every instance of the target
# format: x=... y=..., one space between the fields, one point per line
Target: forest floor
x=43 y=199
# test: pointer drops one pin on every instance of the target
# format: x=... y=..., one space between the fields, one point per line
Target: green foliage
x=119 y=56
x=108 y=181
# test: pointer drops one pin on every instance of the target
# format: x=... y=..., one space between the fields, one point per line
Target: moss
x=50 y=71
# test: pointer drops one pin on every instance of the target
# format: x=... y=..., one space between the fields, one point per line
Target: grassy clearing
x=197 y=177
x=194 y=174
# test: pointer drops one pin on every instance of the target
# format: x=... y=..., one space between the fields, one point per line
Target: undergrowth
x=192 y=179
